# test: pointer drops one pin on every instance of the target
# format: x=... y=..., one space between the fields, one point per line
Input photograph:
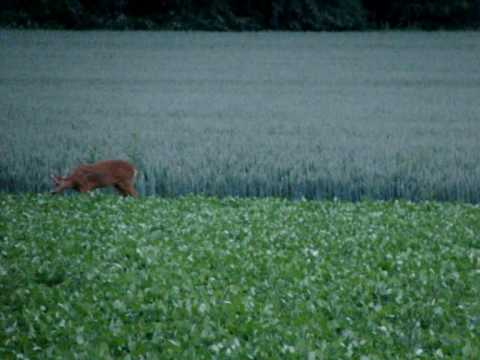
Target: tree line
x=313 y=15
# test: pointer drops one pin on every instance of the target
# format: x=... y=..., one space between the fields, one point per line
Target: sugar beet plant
x=200 y=278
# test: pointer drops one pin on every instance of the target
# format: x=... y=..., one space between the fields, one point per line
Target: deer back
x=104 y=173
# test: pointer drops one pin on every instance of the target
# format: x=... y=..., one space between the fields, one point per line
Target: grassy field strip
x=103 y=277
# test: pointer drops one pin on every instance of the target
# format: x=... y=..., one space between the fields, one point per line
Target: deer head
x=61 y=183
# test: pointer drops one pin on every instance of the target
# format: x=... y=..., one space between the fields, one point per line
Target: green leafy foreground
x=99 y=276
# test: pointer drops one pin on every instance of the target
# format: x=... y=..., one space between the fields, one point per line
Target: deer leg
x=132 y=191
x=126 y=189
x=121 y=189
x=83 y=189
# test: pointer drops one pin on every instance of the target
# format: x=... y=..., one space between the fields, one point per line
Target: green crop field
x=99 y=277
x=316 y=115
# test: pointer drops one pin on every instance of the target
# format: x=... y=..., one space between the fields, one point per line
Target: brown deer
x=84 y=178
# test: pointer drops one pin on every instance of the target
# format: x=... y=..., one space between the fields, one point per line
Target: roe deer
x=117 y=173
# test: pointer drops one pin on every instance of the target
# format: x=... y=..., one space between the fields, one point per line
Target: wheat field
x=376 y=115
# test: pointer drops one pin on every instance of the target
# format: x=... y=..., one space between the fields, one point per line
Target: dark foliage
x=241 y=14
x=426 y=14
